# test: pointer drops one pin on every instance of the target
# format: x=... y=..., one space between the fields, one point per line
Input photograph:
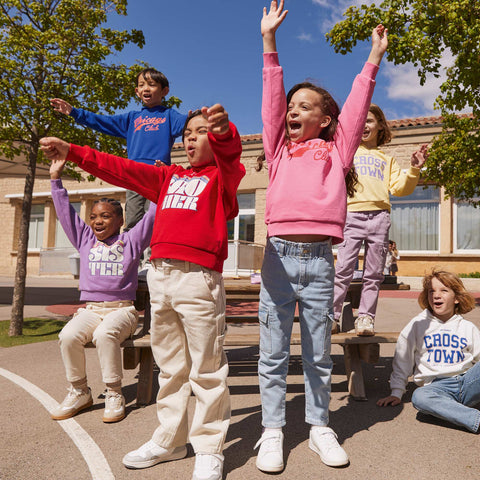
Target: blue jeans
x=451 y=399
x=295 y=272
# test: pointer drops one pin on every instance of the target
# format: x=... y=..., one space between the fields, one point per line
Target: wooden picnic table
x=137 y=350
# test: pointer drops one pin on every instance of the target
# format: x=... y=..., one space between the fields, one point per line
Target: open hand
x=390 y=400
x=419 y=157
x=61 y=106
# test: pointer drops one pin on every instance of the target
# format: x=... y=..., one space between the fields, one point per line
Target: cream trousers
x=187 y=334
x=107 y=325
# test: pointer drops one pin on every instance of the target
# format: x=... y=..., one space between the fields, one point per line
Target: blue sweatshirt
x=150 y=132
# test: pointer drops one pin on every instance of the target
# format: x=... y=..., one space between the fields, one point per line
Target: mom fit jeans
x=294 y=273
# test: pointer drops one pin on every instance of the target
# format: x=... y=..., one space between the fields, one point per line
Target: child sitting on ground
x=108 y=283
x=189 y=246
x=442 y=350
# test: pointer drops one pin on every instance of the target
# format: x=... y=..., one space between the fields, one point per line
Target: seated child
x=108 y=283
x=442 y=350
x=189 y=246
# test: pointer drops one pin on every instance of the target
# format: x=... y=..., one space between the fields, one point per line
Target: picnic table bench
x=137 y=351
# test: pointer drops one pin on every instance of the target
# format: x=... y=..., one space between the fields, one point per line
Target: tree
x=421 y=32
x=57 y=48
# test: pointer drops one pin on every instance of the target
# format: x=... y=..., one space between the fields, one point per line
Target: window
x=35 y=230
x=415 y=220
x=61 y=240
x=467 y=226
x=242 y=227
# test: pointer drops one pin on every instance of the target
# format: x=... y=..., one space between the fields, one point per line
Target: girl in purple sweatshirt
x=309 y=148
x=108 y=282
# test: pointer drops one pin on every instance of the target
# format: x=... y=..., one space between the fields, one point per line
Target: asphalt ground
x=382 y=443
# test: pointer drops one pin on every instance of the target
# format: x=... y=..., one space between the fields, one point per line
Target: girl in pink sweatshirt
x=309 y=147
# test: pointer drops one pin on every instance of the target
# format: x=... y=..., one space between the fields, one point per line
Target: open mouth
x=294 y=126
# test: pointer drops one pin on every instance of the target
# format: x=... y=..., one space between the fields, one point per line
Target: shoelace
x=114 y=400
x=269 y=444
x=329 y=440
x=72 y=396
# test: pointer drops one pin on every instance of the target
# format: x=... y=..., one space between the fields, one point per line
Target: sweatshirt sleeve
x=141 y=234
x=351 y=120
x=74 y=227
x=402 y=183
x=227 y=150
x=274 y=106
x=146 y=180
x=403 y=360
x=115 y=125
x=177 y=123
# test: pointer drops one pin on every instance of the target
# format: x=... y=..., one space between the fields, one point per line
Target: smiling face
x=441 y=299
x=104 y=221
x=371 y=131
x=150 y=92
x=305 y=118
x=195 y=140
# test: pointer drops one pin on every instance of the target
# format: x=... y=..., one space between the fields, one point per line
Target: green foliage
x=60 y=48
x=421 y=32
x=34 y=330
x=470 y=275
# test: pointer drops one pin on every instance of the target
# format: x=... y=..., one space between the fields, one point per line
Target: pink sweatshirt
x=306 y=193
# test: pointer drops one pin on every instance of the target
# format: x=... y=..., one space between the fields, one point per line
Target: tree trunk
x=16 y=320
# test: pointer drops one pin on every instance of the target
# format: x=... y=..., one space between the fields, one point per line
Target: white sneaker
x=323 y=440
x=150 y=454
x=74 y=402
x=270 y=455
x=114 y=407
x=208 y=467
x=364 y=326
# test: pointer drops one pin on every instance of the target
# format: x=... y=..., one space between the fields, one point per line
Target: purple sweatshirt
x=108 y=270
x=306 y=193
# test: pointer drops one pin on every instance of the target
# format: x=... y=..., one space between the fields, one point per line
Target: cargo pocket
x=265 y=333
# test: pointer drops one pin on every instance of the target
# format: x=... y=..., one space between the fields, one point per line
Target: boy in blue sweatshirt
x=150 y=132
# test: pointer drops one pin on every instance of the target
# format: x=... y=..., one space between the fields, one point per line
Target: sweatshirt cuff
x=370 y=70
x=397 y=392
x=270 y=59
x=74 y=154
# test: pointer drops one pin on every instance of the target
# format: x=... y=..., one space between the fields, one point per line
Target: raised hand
x=419 y=157
x=270 y=22
x=379 y=44
x=217 y=119
x=54 y=148
x=61 y=106
x=56 y=168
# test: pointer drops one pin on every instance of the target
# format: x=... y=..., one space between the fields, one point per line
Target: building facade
x=430 y=230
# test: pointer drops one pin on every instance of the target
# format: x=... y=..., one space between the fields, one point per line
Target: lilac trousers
x=371 y=228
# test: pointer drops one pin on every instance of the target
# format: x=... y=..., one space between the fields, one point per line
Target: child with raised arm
x=189 y=246
x=309 y=147
x=108 y=283
x=150 y=132
x=368 y=217
x=442 y=351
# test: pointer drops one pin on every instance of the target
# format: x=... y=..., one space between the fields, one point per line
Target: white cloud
x=404 y=83
x=305 y=37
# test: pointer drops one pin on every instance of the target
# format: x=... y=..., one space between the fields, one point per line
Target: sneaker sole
x=113 y=419
x=270 y=469
x=312 y=446
x=150 y=463
x=364 y=333
x=72 y=413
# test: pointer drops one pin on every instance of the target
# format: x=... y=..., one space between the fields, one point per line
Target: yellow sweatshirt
x=379 y=174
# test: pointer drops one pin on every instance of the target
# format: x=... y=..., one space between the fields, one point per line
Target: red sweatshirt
x=193 y=204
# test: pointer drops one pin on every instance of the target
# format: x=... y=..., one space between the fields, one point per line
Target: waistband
x=183 y=265
x=299 y=249
x=117 y=304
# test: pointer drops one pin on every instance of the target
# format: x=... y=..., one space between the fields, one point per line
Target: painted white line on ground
x=96 y=461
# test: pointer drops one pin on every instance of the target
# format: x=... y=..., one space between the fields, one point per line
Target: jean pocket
x=265 y=333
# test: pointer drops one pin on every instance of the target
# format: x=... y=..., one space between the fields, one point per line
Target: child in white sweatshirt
x=442 y=350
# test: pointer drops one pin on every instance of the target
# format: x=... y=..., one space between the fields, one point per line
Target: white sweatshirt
x=430 y=348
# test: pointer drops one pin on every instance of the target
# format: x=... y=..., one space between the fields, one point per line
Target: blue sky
x=211 y=51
